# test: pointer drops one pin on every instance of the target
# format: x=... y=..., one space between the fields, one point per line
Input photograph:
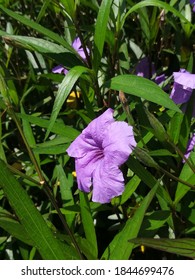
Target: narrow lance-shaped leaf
x=156 y=3
x=188 y=175
x=69 y=7
x=35 y=226
x=118 y=249
x=15 y=229
x=65 y=56
x=59 y=128
x=100 y=32
x=32 y=43
x=24 y=20
x=63 y=92
x=88 y=223
x=182 y=246
x=143 y=88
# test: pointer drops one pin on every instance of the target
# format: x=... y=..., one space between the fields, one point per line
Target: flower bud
x=145 y=158
x=159 y=130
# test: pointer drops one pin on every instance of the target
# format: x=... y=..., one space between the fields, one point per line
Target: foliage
x=42 y=213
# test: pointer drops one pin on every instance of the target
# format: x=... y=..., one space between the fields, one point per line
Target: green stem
x=176 y=179
x=43 y=182
x=182 y=156
x=130 y=119
x=22 y=175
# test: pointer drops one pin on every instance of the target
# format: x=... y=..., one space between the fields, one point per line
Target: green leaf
x=161 y=152
x=34 y=44
x=69 y=7
x=60 y=54
x=118 y=249
x=28 y=133
x=43 y=9
x=24 y=20
x=59 y=128
x=130 y=188
x=66 y=184
x=100 y=32
x=88 y=223
x=86 y=248
x=65 y=89
x=148 y=179
x=157 y=219
x=155 y=3
x=15 y=229
x=174 y=128
x=52 y=150
x=7 y=87
x=188 y=175
x=32 y=221
x=4 y=90
x=181 y=246
x=142 y=88
x=2 y=152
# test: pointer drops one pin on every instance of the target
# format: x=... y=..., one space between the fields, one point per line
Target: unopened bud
x=145 y=158
x=159 y=130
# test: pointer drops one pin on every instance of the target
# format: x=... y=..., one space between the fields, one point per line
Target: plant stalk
x=43 y=182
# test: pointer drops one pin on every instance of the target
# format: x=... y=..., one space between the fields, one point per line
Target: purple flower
x=145 y=68
x=192 y=2
x=183 y=86
x=102 y=147
x=191 y=144
x=78 y=47
x=59 y=69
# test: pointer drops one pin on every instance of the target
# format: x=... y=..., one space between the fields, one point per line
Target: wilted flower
x=102 y=147
x=78 y=47
x=183 y=86
x=190 y=147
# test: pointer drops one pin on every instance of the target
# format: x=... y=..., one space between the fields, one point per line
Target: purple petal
x=192 y=2
x=87 y=148
x=78 y=47
x=85 y=167
x=184 y=78
x=190 y=147
x=184 y=83
x=108 y=181
x=81 y=146
x=145 y=68
x=180 y=95
x=76 y=44
x=118 y=142
x=59 y=69
x=98 y=127
x=160 y=79
x=92 y=136
x=99 y=150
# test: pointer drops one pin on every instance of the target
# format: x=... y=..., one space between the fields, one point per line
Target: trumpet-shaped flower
x=183 y=86
x=79 y=49
x=99 y=151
